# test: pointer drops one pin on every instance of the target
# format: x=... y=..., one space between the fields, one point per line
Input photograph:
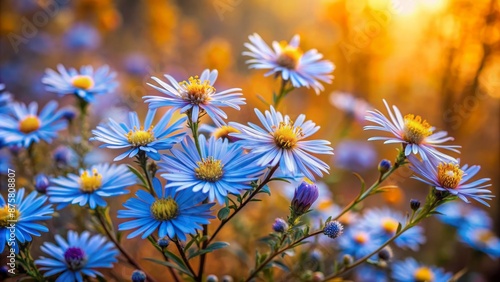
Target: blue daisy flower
x=358 y=242
x=281 y=142
x=5 y=100
x=196 y=97
x=416 y=135
x=370 y=273
x=26 y=126
x=77 y=257
x=222 y=169
x=24 y=213
x=460 y=214
x=383 y=223
x=482 y=239
x=410 y=270
x=287 y=59
x=84 y=84
x=173 y=213
x=135 y=137
x=91 y=186
x=450 y=177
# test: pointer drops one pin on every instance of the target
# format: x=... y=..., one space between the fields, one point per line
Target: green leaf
x=223 y=213
x=363 y=185
x=169 y=264
x=281 y=265
x=138 y=174
x=210 y=248
x=399 y=227
x=175 y=259
x=266 y=190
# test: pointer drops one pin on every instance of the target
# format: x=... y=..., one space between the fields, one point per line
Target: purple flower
x=305 y=195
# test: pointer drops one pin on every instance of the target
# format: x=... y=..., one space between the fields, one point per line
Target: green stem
x=143 y=163
x=83 y=147
x=282 y=93
x=129 y=258
x=185 y=259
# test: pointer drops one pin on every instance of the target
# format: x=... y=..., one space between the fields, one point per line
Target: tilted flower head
x=410 y=270
x=76 y=257
x=26 y=126
x=287 y=59
x=196 y=97
x=482 y=239
x=84 y=84
x=281 y=142
x=222 y=169
x=305 y=195
x=91 y=186
x=173 y=213
x=450 y=177
x=384 y=222
x=135 y=137
x=22 y=218
x=460 y=215
x=416 y=135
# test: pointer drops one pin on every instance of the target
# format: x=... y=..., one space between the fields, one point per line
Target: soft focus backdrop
x=435 y=58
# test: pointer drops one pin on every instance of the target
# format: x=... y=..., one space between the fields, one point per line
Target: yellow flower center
x=286 y=136
x=389 y=225
x=29 y=124
x=7 y=215
x=197 y=91
x=361 y=238
x=223 y=132
x=209 y=169
x=84 y=82
x=449 y=175
x=164 y=209
x=289 y=56
x=90 y=182
x=140 y=137
x=485 y=236
x=416 y=129
x=423 y=274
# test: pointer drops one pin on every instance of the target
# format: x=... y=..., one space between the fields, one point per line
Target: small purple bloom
x=305 y=195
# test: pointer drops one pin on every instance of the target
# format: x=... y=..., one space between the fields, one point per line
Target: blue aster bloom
x=358 y=242
x=355 y=155
x=196 y=97
x=85 y=84
x=173 y=213
x=482 y=239
x=135 y=137
x=91 y=186
x=370 y=273
x=410 y=270
x=222 y=168
x=383 y=223
x=25 y=213
x=26 y=126
x=460 y=214
x=5 y=100
x=288 y=60
x=76 y=257
x=281 y=142
x=448 y=176
x=415 y=134
x=82 y=36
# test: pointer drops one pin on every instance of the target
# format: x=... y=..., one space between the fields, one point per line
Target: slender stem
x=194 y=129
x=143 y=163
x=152 y=240
x=129 y=258
x=247 y=200
x=282 y=93
x=84 y=130
x=185 y=259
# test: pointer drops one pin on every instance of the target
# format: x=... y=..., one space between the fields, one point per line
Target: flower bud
x=305 y=195
x=64 y=155
x=227 y=278
x=138 y=276
x=41 y=183
x=414 y=204
x=212 y=278
x=347 y=259
x=318 y=276
x=163 y=242
x=69 y=113
x=333 y=229
x=385 y=254
x=384 y=166
x=280 y=225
